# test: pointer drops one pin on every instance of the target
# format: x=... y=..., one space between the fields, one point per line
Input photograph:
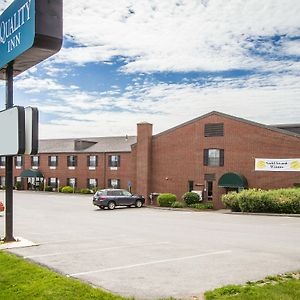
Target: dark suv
x=116 y=197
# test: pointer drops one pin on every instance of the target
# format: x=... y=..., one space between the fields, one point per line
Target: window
x=72 y=161
x=52 y=161
x=72 y=182
x=213 y=157
x=18 y=161
x=2 y=181
x=114 y=160
x=35 y=161
x=114 y=183
x=52 y=182
x=92 y=161
x=92 y=183
x=2 y=161
x=214 y=129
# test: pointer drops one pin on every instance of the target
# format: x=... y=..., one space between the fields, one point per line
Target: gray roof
x=92 y=145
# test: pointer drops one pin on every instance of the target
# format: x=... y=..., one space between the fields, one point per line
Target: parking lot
x=151 y=253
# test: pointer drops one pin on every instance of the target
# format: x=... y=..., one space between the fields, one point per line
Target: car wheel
x=111 y=205
x=138 y=203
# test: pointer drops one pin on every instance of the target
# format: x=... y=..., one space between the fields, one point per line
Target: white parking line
x=96 y=249
x=151 y=263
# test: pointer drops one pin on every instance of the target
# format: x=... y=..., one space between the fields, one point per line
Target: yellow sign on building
x=277 y=165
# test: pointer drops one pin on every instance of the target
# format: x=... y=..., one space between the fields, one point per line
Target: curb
x=264 y=214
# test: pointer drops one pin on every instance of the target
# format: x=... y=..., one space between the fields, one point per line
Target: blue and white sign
x=17 y=30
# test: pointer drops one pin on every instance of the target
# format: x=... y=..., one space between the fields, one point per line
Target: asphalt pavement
x=150 y=253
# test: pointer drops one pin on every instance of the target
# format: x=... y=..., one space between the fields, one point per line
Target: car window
x=126 y=193
x=100 y=193
x=110 y=193
x=117 y=193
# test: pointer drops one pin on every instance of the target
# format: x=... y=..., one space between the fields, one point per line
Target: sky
x=165 y=62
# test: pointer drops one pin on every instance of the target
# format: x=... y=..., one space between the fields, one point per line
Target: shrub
x=48 y=189
x=18 y=185
x=166 y=200
x=178 y=204
x=191 y=198
x=230 y=200
x=67 y=189
x=272 y=201
x=85 y=191
x=206 y=205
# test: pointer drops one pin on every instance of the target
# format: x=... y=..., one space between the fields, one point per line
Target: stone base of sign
x=19 y=243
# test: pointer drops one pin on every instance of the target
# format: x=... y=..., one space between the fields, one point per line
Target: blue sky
x=166 y=62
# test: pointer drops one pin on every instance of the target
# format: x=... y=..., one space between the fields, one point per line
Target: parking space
x=150 y=253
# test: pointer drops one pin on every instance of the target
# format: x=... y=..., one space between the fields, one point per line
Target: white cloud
x=174 y=35
x=271 y=99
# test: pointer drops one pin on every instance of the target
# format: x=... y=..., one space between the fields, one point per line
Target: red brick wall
x=177 y=156
x=102 y=173
x=143 y=159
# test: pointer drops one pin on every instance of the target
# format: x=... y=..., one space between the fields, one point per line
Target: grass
x=20 y=279
x=281 y=287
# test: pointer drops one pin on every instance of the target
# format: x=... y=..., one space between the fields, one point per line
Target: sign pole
x=9 y=163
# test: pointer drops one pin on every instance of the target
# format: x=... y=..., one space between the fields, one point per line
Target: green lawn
x=281 y=287
x=22 y=280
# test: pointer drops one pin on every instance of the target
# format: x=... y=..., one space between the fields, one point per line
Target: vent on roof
x=214 y=129
x=291 y=128
x=80 y=145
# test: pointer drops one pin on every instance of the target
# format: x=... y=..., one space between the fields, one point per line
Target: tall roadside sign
x=30 y=32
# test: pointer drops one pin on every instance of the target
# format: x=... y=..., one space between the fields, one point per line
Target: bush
x=178 y=204
x=272 y=201
x=231 y=201
x=166 y=200
x=18 y=185
x=67 y=189
x=207 y=205
x=48 y=189
x=191 y=198
x=85 y=191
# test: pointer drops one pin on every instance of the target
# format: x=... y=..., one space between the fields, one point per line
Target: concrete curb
x=186 y=209
x=264 y=214
x=225 y=211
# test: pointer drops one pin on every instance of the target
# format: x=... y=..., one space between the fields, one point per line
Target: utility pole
x=9 y=162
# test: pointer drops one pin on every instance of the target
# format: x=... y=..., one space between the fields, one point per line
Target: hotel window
x=72 y=182
x=92 y=161
x=72 y=161
x=2 y=161
x=114 y=160
x=214 y=157
x=2 y=181
x=35 y=161
x=52 y=182
x=52 y=161
x=18 y=161
x=114 y=183
x=92 y=183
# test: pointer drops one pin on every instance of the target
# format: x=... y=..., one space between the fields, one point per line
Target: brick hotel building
x=214 y=153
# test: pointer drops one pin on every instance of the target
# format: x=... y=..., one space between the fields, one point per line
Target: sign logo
x=17 y=30
x=277 y=165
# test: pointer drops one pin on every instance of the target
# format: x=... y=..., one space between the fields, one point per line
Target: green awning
x=32 y=173
x=233 y=180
